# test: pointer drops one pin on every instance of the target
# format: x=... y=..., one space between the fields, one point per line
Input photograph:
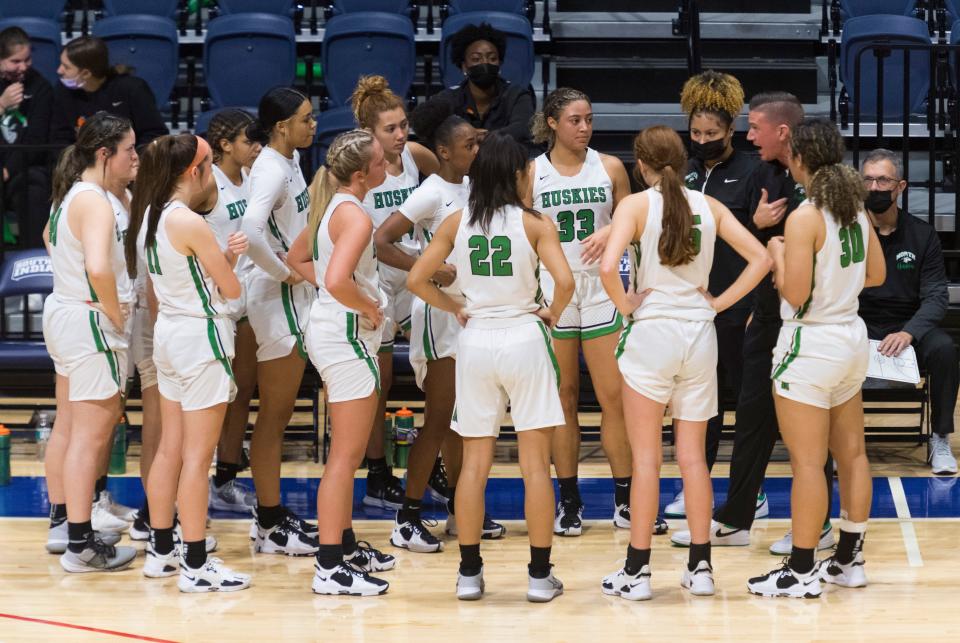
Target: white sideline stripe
x=910 y=542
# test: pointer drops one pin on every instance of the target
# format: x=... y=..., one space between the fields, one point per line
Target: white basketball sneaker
x=543 y=590
x=849 y=575
x=470 y=588
x=700 y=580
x=346 y=580
x=786 y=583
x=633 y=587
x=213 y=576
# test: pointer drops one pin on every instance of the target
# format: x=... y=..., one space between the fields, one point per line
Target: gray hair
x=881 y=154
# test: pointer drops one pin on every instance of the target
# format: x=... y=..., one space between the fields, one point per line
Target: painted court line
x=906 y=524
x=84 y=628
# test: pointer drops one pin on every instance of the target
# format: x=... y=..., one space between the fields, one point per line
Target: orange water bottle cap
x=404 y=412
x=4 y=430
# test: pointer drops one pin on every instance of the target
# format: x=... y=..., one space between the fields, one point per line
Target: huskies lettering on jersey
x=573 y=196
x=391 y=198
x=236 y=209
x=303 y=202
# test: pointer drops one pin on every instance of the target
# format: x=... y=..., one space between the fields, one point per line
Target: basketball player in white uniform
x=668 y=353
x=225 y=204
x=278 y=302
x=504 y=354
x=828 y=254
x=578 y=188
x=381 y=112
x=433 y=340
x=192 y=278
x=86 y=333
x=342 y=339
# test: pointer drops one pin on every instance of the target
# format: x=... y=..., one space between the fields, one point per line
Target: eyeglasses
x=883 y=182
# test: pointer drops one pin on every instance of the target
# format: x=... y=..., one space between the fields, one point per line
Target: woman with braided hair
x=829 y=253
x=712 y=101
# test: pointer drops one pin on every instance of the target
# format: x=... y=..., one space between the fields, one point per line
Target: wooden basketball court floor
x=912 y=563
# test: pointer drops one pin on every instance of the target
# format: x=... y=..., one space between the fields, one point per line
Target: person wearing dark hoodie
x=88 y=84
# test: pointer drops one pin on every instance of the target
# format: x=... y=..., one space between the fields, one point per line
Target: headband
x=203 y=148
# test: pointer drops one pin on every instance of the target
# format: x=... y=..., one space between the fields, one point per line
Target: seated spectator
x=906 y=309
x=26 y=103
x=89 y=84
x=484 y=99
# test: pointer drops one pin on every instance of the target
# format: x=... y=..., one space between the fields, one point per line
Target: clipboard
x=902 y=368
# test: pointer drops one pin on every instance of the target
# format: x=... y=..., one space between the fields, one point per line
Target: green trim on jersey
x=275 y=231
x=791 y=354
x=553 y=356
x=100 y=341
x=622 y=344
x=93 y=293
x=54 y=222
x=360 y=349
x=813 y=284
x=201 y=287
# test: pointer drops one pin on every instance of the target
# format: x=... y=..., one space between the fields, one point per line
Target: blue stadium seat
x=860 y=32
x=49 y=9
x=855 y=8
x=163 y=8
x=359 y=44
x=519 y=7
x=149 y=44
x=44 y=43
x=517 y=65
x=330 y=123
x=24 y=273
x=247 y=54
x=203 y=119
x=953 y=10
x=403 y=7
x=276 y=7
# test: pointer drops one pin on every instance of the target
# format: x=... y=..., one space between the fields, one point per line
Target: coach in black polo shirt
x=908 y=307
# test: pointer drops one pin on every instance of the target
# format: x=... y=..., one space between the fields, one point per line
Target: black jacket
x=122 y=95
x=29 y=124
x=729 y=182
x=914 y=297
x=775 y=178
x=510 y=111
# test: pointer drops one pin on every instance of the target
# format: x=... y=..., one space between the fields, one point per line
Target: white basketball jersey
x=385 y=199
x=497 y=270
x=839 y=271
x=179 y=281
x=227 y=215
x=290 y=206
x=430 y=205
x=70 y=282
x=126 y=292
x=365 y=274
x=579 y=205
x=674 y=289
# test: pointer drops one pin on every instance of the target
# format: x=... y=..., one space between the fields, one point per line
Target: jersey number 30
x=483 y=264
x=851 y=245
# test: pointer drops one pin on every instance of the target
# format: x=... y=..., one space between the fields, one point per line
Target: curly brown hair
x=372 y=96
x=713 y=93
x=553 y=106
x=833 y=186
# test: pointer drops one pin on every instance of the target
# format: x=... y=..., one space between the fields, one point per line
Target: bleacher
x=630 y=56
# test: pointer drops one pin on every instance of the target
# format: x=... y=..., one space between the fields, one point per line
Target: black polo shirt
x=729 y=182
x=510 y=110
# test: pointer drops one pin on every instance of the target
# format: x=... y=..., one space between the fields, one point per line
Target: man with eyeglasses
x=908 y=307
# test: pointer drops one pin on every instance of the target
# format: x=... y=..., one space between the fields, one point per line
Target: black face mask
x=709 y=151
x=483 y=75
x=878 y=201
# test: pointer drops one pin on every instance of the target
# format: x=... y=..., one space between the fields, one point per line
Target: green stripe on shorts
x=553 y=356
x=100 y=341
x=290 y=312
x=360 y=350
x=615 y=326
x=791 y=354
x=622 y=344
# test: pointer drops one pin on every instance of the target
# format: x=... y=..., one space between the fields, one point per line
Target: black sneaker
x=370 y=559
x=569 y=521
x=660 y=526
x=438 y=487
x=492 y=530
x=286 y=537
x=414 y=536
x=346 y=580
x=384 y=491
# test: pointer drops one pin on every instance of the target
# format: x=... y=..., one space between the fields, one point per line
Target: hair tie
x=203 y=148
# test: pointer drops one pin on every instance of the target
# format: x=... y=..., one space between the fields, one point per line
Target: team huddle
x=224 y=270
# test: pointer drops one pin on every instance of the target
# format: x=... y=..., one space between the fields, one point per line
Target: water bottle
x=388 y=438
x=44 y=428
x=118 y=455
x=4 y=456
x=404 y=435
